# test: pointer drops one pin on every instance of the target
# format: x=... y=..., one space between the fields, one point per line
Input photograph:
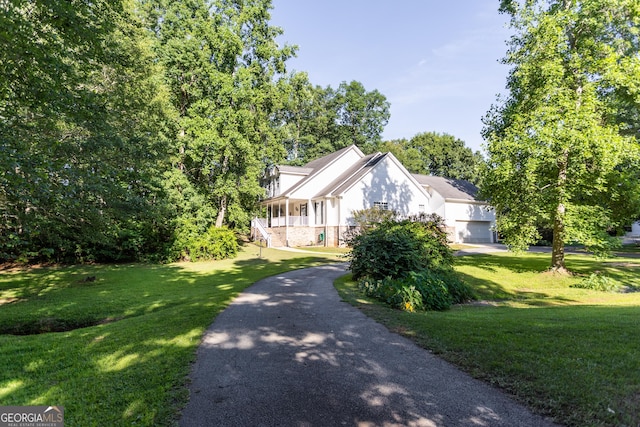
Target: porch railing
x=291 y=221
x=259 y=225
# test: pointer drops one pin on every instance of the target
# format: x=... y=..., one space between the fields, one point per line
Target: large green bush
x=395 y=248
x=408 y=264
x=422 y=290
x=215 y=243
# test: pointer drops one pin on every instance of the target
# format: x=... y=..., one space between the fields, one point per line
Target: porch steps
x=276 y=242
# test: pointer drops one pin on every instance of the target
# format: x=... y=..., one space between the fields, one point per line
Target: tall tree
x=362 y=115
x=320 y=120
x=80 y=129
x=408 y=156
x=222 y=64
x=445 y=155
x=558 y=154
x=306 y=120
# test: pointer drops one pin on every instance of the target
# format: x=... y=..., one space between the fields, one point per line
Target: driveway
x=289 y=352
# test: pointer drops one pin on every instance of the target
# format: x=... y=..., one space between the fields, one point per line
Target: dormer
x=280 y=178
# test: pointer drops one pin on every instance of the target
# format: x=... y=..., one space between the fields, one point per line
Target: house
x=313 y=204
x=633 y=236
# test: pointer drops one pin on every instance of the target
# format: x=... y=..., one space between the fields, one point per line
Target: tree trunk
x=181 y=150
x=221 y=211
x=557 y=254
x=222 y=207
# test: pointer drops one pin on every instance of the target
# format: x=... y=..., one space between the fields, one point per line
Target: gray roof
x=324 y=161
x=449 y=188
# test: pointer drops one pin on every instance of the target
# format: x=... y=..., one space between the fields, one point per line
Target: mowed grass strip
x=131 y=365
x=568 y=353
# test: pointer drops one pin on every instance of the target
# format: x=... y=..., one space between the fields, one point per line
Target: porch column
x=286 y=221
x=326 y=221
x=339 y=202
x=270 y=216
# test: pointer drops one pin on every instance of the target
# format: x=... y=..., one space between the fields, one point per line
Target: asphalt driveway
x=288 y=352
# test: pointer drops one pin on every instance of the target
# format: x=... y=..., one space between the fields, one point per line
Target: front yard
x=569 y=353
x=133 y=333
x=127 y=334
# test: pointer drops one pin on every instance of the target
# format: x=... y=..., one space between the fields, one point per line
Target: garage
x=474 y=232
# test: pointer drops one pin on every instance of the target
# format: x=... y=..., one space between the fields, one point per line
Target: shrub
x=423 y=290
x=460 y=292
x=395 y=248
x=434 y=291
x=215 y=243
x=598 y=282
x=367 y=219
x=408 y=264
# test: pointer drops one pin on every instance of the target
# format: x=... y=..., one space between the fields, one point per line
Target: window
x=421 y=208
x=381 y=205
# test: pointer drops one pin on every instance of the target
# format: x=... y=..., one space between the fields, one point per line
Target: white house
x=313 y=204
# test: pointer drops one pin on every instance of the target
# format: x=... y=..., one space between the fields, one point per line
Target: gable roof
x=322 y=162
x=351 y=175
x=449 y=188
x=314 y=167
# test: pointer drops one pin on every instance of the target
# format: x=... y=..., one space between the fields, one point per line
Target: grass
x=325 y=249
x=568 y=353
x=129 y=364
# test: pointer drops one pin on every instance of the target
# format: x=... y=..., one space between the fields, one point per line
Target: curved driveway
x=289 y=352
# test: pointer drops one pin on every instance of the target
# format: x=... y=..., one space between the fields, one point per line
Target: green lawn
x=569 y=353
x=129 y=365
x=325 y=250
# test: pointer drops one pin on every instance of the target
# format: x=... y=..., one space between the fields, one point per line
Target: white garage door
x=474 y=232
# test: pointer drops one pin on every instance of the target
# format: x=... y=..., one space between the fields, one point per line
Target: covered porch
x=294 y=213
x=295 y=222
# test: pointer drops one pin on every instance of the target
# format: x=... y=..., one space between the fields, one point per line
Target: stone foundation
x=305 y=236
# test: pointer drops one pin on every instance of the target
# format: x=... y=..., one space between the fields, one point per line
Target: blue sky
x=437 y=62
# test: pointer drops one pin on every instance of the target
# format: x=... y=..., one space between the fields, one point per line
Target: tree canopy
x=563 y=152
x=136 y=128
x=223 y=65
x=432 y=153
x=82 y=114
x=319 y=121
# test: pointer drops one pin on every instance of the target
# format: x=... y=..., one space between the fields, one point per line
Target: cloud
x=454 y=49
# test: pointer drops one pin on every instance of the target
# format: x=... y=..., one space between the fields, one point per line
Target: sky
x=437 y=62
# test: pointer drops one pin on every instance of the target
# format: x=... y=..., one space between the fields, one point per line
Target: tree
x=319 y=121
x=432 y=153
x=306 y=119
x=222 y=63
x=558 y=153
x=408 y=156
x=362 y=115
x=81 y=119
x=296 y=113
